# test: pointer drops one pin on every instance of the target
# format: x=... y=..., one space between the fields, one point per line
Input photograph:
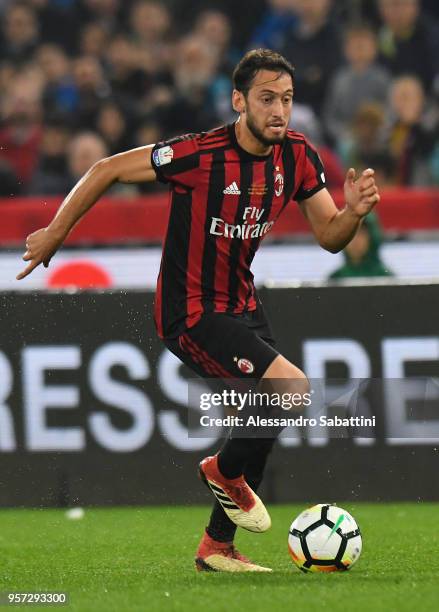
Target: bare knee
x=283 y=377
x=282 y=368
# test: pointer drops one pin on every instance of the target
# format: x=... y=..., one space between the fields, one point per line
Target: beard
x=259 y=134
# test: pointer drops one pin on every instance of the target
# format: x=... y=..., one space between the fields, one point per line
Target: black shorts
x=223 y=345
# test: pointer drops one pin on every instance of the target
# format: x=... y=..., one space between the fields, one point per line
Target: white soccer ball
x=324 y=538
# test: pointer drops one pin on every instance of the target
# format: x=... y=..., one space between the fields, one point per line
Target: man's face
x=267 y=106
x=313 y=10
x=399 y=15
x=361 y=48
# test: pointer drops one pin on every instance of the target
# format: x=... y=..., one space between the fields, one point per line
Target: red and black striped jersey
x=224 y=201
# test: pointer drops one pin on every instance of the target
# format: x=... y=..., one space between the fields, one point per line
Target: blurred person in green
x=362 y=257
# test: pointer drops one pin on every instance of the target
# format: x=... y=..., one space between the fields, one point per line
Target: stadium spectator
x=60 y=93
x=408 y=40
x=150 y=23
x=9 y=182
x=21 y=133
x=93 y=89
x=94 y=39
x=193 y=75
x=314 y=48
x=359 y=82
x=51 y=174
x=20 y=36
x=113 y=128
x=147 y=133
x=279 y=19
x=128 y=81
x=214 y=28
x=244 y=17
x=412 y=133
x=362 y=257
x=59 y=22
x=108 y=13
x=85 y=149
x=364 y=139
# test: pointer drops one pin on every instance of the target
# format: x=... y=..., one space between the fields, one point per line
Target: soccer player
x=228 y=186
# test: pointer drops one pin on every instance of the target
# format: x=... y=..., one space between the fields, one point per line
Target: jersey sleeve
x=177 y=160
x=312 y=177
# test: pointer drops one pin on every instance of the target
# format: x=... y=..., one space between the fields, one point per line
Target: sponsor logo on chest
x=252 y=225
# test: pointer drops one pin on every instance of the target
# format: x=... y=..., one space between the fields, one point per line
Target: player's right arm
x=133 y=166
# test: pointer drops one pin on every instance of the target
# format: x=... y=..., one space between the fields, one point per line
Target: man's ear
x=238 y=101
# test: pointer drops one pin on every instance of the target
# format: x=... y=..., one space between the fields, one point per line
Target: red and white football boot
x=213 y=556
x=238 y=500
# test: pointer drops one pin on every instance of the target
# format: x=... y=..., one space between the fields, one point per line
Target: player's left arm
x=334 y=228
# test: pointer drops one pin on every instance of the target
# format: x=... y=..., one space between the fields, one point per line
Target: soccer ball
x=324 y=538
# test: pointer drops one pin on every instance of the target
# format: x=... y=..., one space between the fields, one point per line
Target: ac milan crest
x=278 y=184
x=245 y=365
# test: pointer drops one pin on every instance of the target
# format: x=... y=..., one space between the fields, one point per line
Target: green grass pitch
x=129 y=559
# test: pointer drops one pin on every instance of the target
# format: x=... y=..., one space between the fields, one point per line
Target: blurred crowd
x=83 y=79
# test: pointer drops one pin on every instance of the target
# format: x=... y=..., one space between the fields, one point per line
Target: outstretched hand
x=40 y=248
x=361 y=195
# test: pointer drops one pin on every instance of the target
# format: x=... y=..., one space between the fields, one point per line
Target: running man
x=227 y=188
